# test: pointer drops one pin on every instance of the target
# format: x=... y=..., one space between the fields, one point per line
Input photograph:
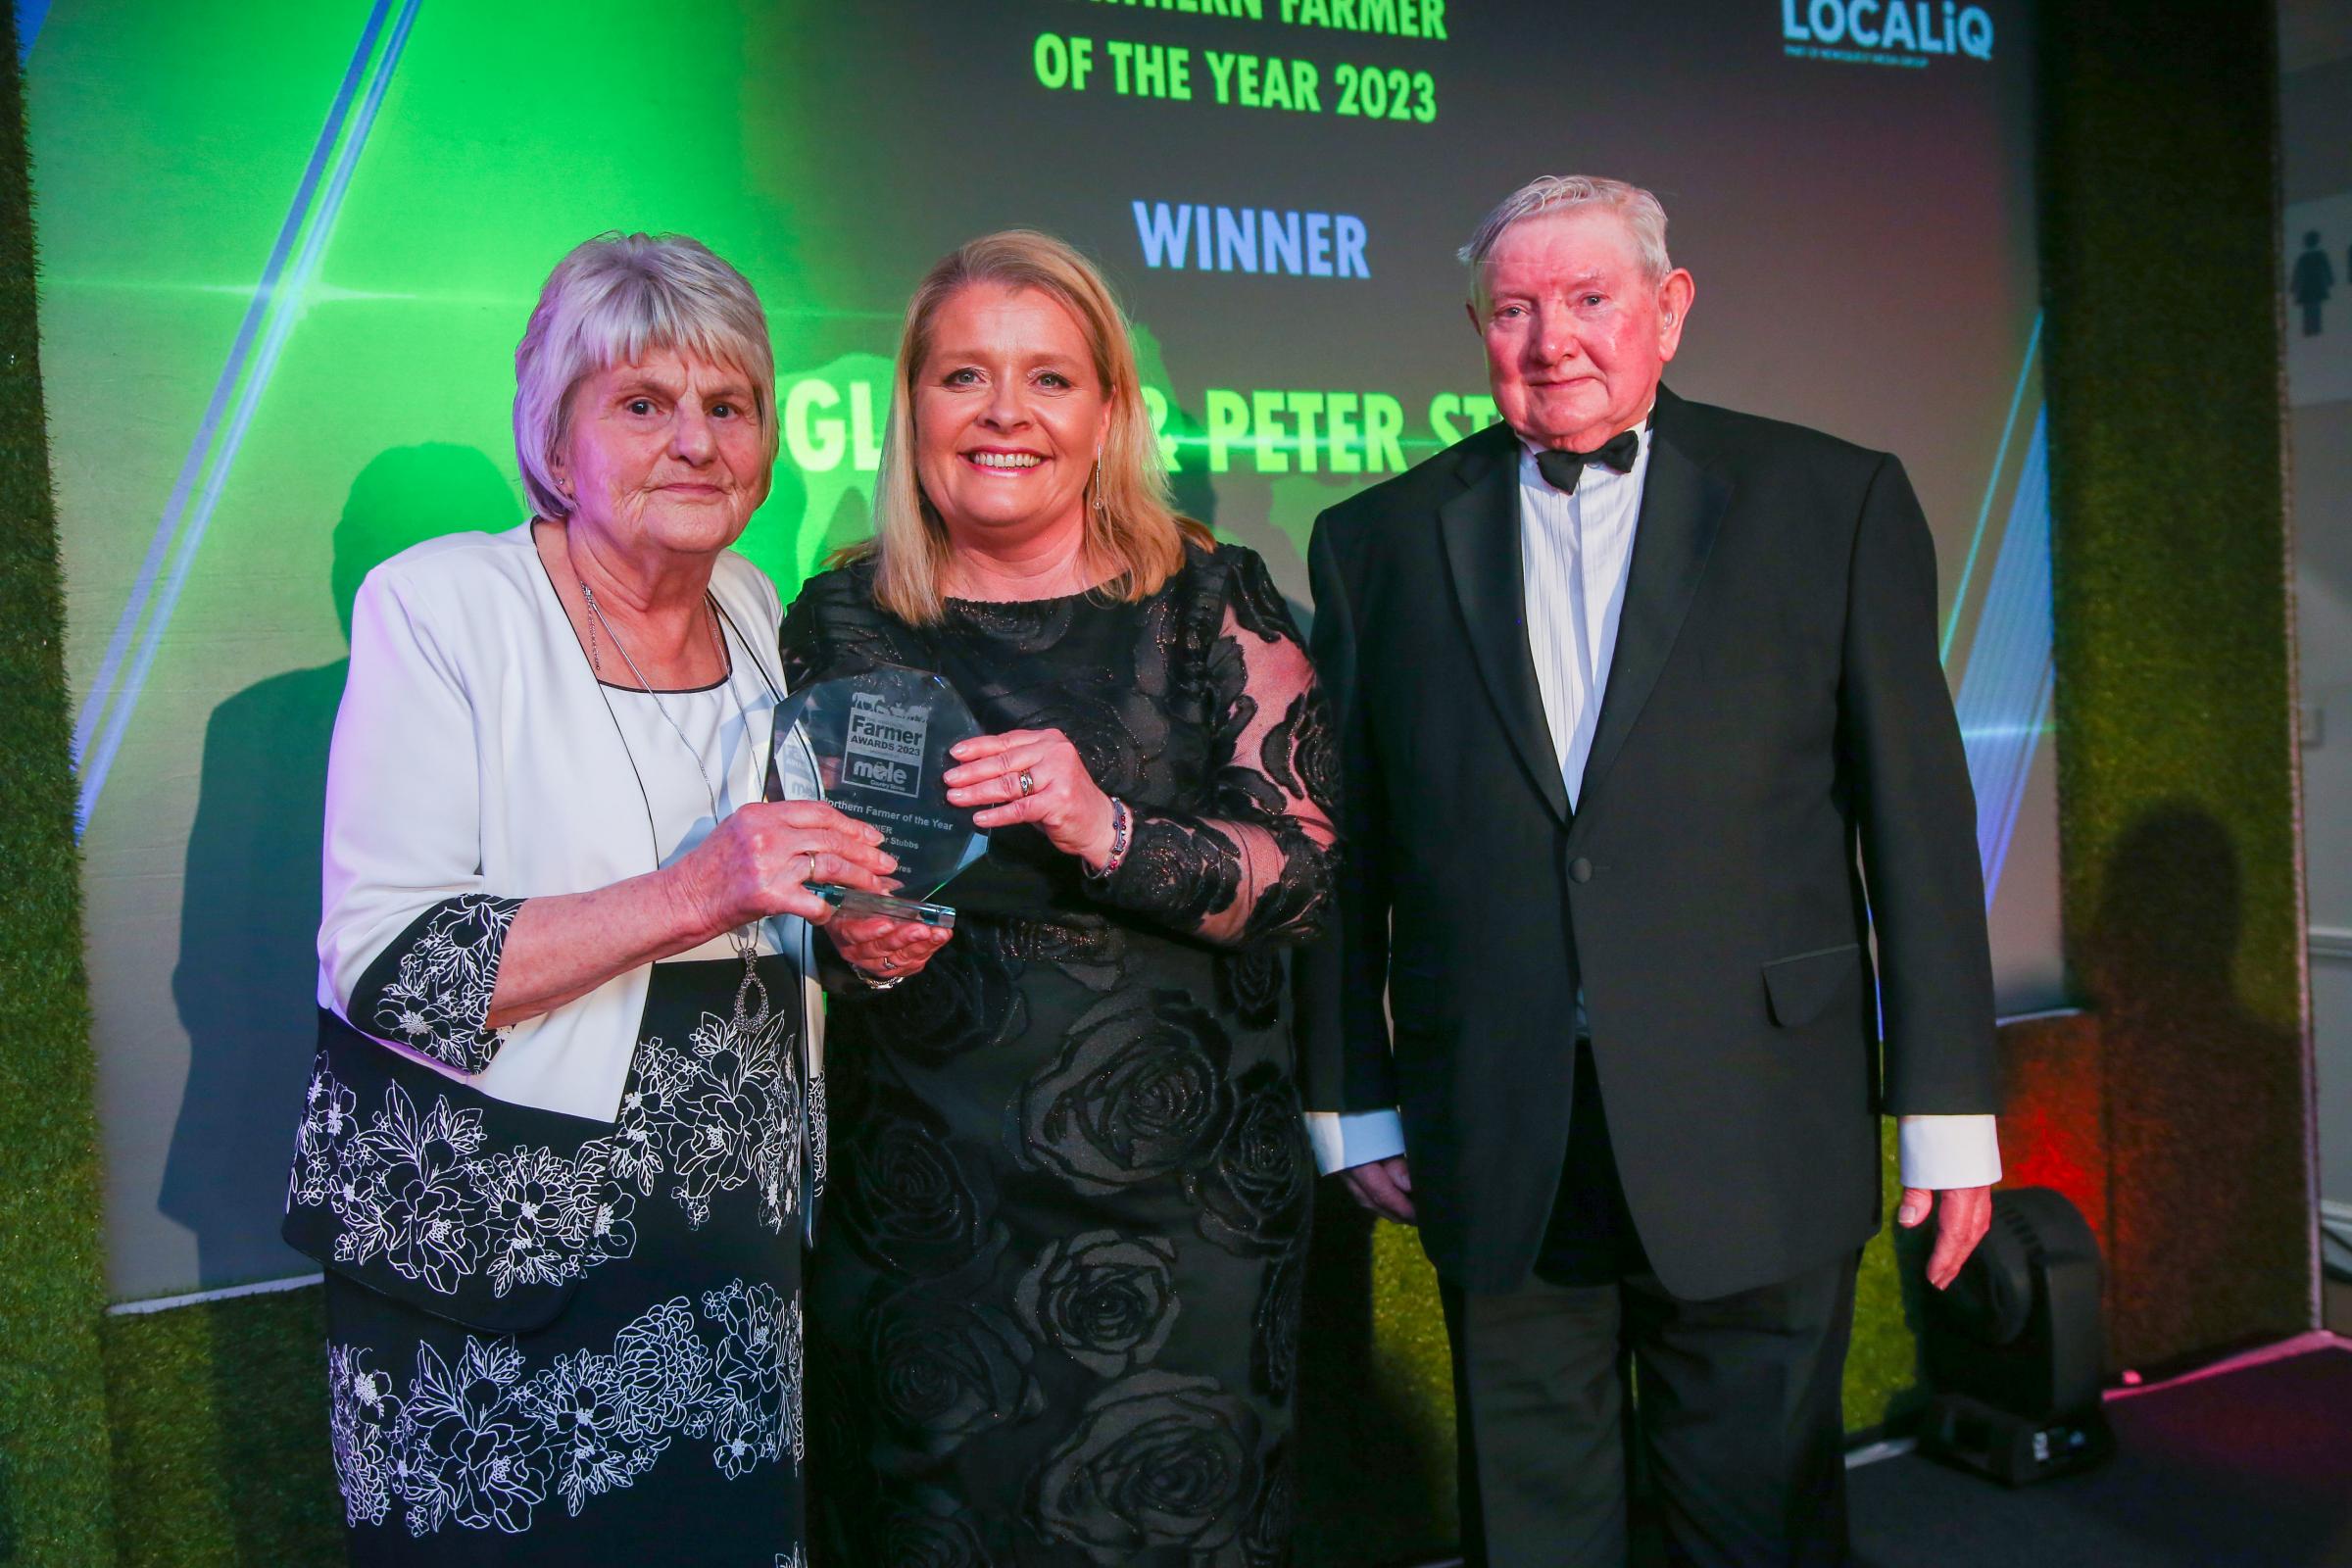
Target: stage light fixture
x=2016 y=1349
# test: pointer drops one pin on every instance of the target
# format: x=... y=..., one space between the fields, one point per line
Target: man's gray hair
x=1644 y=218
x=614 y=298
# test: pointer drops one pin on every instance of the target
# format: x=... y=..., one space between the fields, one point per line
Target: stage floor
x=2247 y=1463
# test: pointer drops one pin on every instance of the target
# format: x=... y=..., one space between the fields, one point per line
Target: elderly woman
x=562 y=1133
x=1054 y=1316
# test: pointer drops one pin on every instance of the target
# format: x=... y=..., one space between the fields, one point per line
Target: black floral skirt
x=661 y=1404
x=1054 y=1309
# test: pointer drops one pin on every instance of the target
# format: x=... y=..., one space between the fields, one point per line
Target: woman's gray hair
x=1644 y=218
x=614 y=298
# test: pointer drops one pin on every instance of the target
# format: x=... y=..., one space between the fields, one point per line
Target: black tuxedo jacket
x=1775 y=774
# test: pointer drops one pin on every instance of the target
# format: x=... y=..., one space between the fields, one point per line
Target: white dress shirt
x=1576 y=553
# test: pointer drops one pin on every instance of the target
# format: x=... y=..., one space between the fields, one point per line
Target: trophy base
x=860 y=904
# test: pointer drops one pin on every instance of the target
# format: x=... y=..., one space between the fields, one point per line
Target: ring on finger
x=890 y=963
x=1026 y=782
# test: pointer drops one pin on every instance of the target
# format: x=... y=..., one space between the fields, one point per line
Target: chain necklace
x=744 y=939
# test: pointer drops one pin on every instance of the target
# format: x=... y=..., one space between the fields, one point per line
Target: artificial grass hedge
x=218 y=1413
x=54 y=1504
x=2177 y=804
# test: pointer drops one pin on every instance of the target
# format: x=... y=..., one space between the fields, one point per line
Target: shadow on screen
x=247 y=976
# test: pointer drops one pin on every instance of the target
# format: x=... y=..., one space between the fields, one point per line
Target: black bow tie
x=1562 y=469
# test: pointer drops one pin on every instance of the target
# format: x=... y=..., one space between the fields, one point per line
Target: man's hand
x=1385 y=1187
x=1967 y=1216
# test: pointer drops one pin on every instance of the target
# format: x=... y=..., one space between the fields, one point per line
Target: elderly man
x=1623 y=684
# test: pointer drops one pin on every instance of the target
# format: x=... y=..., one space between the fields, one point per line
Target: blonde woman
x=1053 y=1312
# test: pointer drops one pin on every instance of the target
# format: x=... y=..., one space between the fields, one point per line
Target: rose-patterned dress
x=1054 y=1304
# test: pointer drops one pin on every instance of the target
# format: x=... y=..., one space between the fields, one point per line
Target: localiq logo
x=1886 y=32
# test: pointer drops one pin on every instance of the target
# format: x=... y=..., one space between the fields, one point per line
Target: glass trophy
x=873 y=745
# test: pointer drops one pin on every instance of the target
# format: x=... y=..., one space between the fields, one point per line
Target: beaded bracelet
x=1122 y=833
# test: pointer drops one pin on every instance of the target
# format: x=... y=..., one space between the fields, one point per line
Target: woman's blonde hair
x=1133 y=539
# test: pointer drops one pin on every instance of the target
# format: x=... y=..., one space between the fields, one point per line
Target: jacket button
x=1579 y=870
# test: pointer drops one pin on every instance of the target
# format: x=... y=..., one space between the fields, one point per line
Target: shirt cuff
x=1345 y=1139
x=1940 y=1152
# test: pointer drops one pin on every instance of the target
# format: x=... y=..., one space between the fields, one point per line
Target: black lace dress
x=1054 y=1309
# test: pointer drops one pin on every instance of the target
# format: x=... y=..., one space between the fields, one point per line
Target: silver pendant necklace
x=749 y=1015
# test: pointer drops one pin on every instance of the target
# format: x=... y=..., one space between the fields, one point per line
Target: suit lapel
x=1481 y=529
x=1682 y=505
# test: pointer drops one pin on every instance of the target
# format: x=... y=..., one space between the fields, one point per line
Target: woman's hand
x=1035 y=776
x=760 y=859
x=884 y=949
